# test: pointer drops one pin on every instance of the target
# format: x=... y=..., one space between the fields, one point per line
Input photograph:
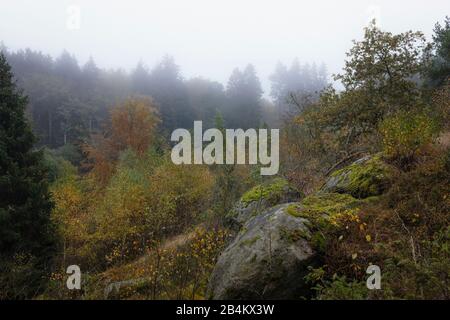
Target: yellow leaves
x=344 y=218
x=180 y=192
x=57 y=276
x=68 y=212
x=354 y=256
x=175 y=271
x=368 y=238
x=406 y=132
x=299 y=120
x=66 y=195
x=415 y=217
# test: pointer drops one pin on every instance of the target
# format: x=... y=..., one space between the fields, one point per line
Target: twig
x=343 y=161
x=411 y=239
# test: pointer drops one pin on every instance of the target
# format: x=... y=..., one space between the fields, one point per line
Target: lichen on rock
x=369 y=176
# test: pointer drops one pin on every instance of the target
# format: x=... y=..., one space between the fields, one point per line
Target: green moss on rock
x=323 y=204
x=322 y=211
x=271 y=192
x=362 y=179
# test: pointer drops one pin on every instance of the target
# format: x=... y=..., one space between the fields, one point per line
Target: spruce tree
x=438 y=70
x=26 y=241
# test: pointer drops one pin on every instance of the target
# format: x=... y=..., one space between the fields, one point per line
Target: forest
x=86 y=178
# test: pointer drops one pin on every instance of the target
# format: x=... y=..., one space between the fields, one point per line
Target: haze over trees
x=69 y=102
x=104 y=194
x=297 y=80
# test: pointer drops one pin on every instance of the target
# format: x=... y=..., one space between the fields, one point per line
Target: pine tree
x=140 y=79
x=438 y=71
x=244 y=93
x=26 y=241
x=169 y=91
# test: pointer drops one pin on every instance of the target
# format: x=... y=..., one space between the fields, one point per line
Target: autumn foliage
x=133 y=126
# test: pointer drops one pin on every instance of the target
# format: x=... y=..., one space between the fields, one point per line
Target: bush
x=406 y=133
x=71 y=153
x=181 y=194
x=176 y=269
x=146 y=199
x=57 y=167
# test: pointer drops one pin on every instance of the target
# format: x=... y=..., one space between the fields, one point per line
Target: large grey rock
x=267 y=260
x=260 y=198
x=242 y=212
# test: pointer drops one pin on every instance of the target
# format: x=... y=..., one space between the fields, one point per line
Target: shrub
x=180 y=194
x=406 y=133
x=57 y=166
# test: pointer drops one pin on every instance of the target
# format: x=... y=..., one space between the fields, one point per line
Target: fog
x=207 y=38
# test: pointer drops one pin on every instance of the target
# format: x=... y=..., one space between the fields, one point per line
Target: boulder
x=276 y=245
x=270 y=256
x=260 y=198
x=367 y=177
x=268 y=259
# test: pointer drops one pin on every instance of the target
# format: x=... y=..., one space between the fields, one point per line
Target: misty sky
x=208 y=37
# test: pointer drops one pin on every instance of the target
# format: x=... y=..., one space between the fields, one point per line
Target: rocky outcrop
x=260 y=198
x=267 y=260
x=367 y=177
x=276 y=245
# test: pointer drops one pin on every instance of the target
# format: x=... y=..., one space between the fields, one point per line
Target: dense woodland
x=69 y=102
x=86 y=176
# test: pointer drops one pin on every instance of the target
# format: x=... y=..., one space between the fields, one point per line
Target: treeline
x=68 y=102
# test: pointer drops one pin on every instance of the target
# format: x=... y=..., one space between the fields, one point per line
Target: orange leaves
x=133 y=124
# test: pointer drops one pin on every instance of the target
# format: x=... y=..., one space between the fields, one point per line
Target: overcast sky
x=208 y=38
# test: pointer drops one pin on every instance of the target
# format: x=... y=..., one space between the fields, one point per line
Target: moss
x=294 y=235
x=323 y=204
x=322 y=211
x=293 y=210
x=249 y=242
x=319 y=241
x=364 y=179
x=271 y=191
x=371 y=200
